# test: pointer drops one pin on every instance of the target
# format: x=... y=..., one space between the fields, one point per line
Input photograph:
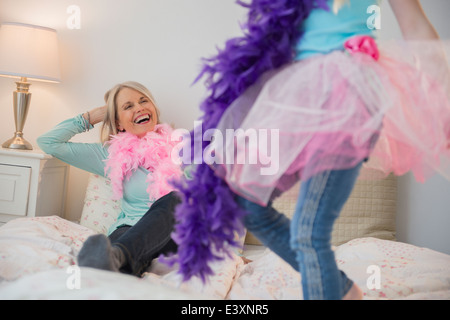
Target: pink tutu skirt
x=334 y=111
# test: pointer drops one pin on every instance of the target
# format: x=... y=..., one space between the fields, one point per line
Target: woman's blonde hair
x=109 y=126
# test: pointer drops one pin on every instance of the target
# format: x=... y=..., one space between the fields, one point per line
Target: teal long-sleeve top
x=92 y=158
x=326 y=31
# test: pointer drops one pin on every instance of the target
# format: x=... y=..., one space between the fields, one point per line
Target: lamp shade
x=29 y=51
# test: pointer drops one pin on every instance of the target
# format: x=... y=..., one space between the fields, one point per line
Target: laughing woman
x=135 y=154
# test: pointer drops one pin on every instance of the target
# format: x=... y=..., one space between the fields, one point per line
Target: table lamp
x=27 y=52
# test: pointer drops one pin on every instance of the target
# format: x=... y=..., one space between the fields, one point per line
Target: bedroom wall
x=423 y=210
x=160 y=43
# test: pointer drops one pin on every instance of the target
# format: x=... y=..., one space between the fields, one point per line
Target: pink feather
x=153 y=152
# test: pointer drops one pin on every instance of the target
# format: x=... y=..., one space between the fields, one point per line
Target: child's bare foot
x=246 y=260
x=355 y=293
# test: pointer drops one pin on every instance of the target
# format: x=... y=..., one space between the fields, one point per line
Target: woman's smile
x=143 y=119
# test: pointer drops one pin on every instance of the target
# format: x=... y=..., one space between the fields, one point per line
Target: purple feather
x=208 y=216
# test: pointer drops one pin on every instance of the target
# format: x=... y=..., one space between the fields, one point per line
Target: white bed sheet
x=38 y=261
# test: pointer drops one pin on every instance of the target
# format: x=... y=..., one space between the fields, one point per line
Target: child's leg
x=320 y=201
x=271 y=228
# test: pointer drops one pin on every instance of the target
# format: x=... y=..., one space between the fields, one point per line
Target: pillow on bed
x=99 y=211
x=369 y=212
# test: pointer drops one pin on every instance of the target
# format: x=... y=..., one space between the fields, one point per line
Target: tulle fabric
x=333 y=111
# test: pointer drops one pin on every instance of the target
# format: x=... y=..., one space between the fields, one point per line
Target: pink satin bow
x=363 y=44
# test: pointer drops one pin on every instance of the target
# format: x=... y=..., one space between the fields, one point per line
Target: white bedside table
x=32 y=184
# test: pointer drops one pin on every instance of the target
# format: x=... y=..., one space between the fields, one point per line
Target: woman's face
x=136 y=113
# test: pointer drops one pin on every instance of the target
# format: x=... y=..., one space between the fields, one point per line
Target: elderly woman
x=135 y=154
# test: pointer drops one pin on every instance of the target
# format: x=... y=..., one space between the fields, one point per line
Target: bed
x=38 y=257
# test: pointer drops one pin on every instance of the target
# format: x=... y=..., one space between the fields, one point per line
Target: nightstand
x=32 y=183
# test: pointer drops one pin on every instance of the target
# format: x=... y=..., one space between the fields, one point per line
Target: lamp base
x=17 y=142
x=21 y=99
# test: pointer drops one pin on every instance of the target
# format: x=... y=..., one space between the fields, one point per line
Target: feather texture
x=127 y=152
x=208 y=216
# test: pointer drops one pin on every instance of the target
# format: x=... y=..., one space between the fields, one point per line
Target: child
x=338 y=102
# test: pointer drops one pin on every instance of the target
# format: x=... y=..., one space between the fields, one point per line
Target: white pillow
x=99 y=211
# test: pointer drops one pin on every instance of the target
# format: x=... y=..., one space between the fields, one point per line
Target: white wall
x=423 y=212
x=160 y=43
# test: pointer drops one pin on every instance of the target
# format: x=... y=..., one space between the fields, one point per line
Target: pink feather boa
x=127 y=152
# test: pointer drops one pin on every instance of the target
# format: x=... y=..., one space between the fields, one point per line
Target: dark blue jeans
x=149 y=237
x=305 y=242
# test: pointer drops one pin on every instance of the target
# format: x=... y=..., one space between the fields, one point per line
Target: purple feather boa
x=208 y=216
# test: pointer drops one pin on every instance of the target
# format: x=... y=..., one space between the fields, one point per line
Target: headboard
x=369 y=211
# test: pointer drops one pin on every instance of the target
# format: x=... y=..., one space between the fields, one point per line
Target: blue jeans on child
x=305 y=242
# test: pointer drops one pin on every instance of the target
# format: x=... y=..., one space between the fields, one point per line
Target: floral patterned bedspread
x=38 y=261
